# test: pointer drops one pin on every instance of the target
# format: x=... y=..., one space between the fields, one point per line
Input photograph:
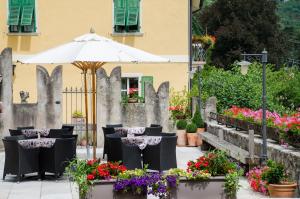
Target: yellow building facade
x=157 y=26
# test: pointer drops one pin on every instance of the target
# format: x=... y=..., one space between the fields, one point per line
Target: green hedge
x=233 y=88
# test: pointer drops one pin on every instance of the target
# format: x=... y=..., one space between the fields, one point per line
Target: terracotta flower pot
x=83 y=142
x=181 y=138
x=199 y=139
x=192 y=139
x=284 y=190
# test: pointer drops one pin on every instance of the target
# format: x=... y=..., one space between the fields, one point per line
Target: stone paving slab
x=63 y=189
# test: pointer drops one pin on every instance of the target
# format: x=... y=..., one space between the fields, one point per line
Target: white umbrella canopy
x=91 y=51
x=93 y=48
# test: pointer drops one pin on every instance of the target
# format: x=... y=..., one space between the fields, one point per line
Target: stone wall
x=110 y=110
x=46 y=113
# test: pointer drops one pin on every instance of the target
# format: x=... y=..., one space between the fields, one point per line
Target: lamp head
x=244 y=66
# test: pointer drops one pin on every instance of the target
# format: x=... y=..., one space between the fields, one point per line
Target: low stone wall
x=290 y=156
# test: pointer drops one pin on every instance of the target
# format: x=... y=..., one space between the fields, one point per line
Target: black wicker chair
x=168 y=134
x=153 y=131
x=75 y=136
x=25 y=127
x=114 y=125
x=155 y=125
x=106 y=131
x=15 y=132
x=55 y=159
x=70 y=128
x=162 y=156
x=114 y=153
x=131 y=156
x=58 y=133
x=18 y=160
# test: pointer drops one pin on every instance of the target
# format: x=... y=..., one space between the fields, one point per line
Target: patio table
x=37 y=143
x=35 y=132
x=124 y=131
x=142 y=141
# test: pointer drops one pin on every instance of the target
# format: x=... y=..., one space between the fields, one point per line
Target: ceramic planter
x=230 y=121
x=221 y=119
x=181 y=138
x=78 y=120
x=192 y=139
x=211 y=188
x=241 y=125
x=284 y=190
x=273 y=133
x=104 y=189
x=199 y=138
x=132 y=100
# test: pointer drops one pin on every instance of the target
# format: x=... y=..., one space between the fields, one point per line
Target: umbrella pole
x=94 y=111
x=86 y=114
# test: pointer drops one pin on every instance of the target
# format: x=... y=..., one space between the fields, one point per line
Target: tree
x=243 y=26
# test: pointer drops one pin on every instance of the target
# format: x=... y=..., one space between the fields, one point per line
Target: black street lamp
x=263 y=58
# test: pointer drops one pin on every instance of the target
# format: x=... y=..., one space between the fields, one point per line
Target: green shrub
x=275 y=173
x=197 y=119
x=181 y=124
x=191 y=128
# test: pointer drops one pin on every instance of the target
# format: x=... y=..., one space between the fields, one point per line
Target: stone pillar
x=163 y=94
x=6 y=68
x=108 y=100
x=49 y=92
x=211 y=106
x=152 y=108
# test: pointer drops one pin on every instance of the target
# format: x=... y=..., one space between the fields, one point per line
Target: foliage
x=243 y=26
x=232 y=88
x=232 y=183
x=275 y=173
x=179 y=104
x=77 y=114
x=191 y=128
x=197 y=119
x=84 y=172
x=254 y=177
x=181 y=124
x=191 y=175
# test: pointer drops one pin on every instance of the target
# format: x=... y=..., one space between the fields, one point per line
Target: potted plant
x=197 y=119
x=192 y=135
x=181 y=133
x=276 y=178
x=83 y=141
x=77 y=117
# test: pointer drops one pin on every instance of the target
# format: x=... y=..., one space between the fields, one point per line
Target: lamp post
x=263 y=58
x=192 y=73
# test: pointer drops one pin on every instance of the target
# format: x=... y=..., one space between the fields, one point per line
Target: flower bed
x=279 y=128
x=212 y=175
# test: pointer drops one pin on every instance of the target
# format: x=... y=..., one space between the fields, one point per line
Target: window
x=126 y=16
x=21 y=16
x=135 y=83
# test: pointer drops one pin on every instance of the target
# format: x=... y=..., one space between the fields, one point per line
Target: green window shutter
x=132 y=16
x=27 y=15
x=28 y=2
x=119 y=3
x=14 y=15
x=120 y=16
x=133 y=3
x=144 y=79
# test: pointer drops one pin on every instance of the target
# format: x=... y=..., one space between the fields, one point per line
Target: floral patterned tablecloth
x=124 y=131
x=37 y=143
x=35 y=132
x=142 y=141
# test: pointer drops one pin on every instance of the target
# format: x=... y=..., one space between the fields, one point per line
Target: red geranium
x=90 y=177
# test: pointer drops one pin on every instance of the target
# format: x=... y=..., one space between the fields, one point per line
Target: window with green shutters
x=21 y=16
x=126 y=16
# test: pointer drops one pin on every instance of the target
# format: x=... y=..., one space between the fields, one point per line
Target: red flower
x=90 y=177
x=91 y=162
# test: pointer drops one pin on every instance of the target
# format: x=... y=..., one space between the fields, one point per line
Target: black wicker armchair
x=114 y=153
x=161 y=156
x=15 y=132
x=131 y=156
x=114 y=125
x=70 y=128
x=155 y=125
x=75 y=136
x=106 y=131
x=58 y=133
x=18 y=160
x=55 y=159
x=153 y=131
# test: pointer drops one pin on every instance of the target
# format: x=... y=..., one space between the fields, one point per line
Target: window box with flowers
x=132 y=97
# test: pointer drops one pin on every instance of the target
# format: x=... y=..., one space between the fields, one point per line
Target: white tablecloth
x=35 y=132
x=142 y=141
x=123 y=131
x=37 y=143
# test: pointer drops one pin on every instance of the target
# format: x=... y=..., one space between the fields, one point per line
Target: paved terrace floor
x=63 y=189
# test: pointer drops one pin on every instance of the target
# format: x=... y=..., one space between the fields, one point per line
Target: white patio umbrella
x=90 y=52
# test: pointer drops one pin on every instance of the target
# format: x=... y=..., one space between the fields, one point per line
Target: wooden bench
x=218 y=142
